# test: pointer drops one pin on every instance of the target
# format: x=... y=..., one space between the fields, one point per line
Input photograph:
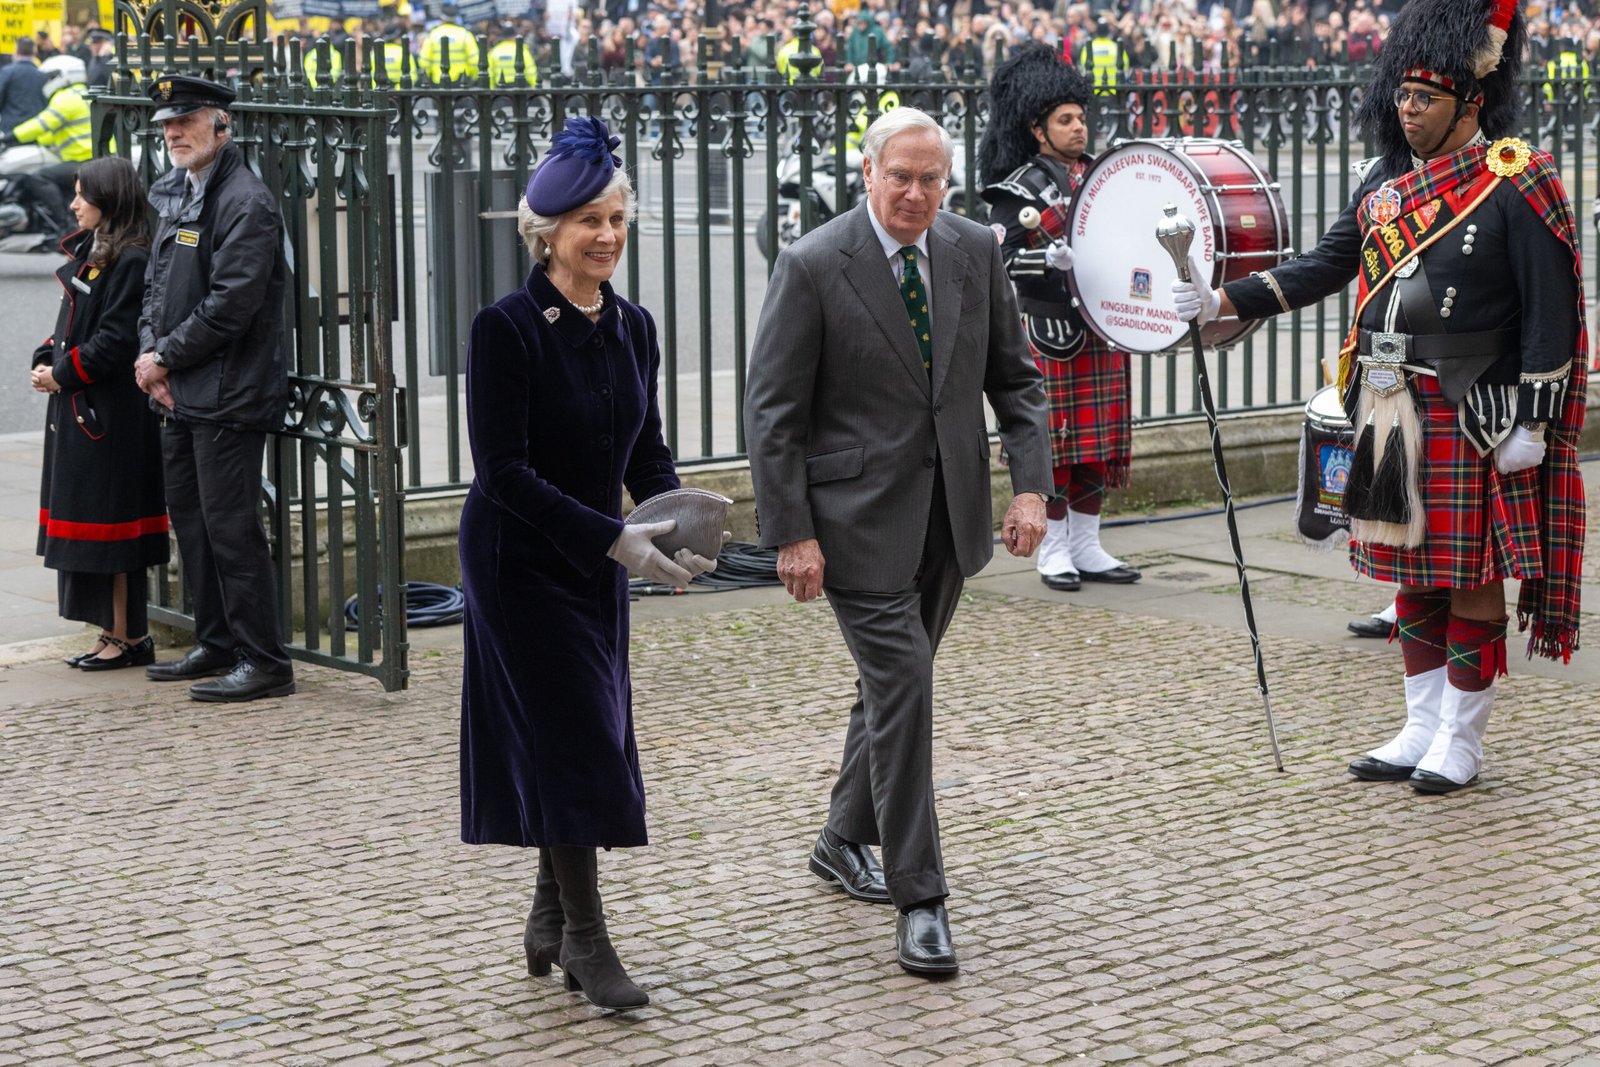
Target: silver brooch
x=552 y=314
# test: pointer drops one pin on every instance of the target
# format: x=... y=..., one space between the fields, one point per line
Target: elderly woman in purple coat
x=562 y=416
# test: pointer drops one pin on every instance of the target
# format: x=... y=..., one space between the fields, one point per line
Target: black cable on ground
x=741 y=565
x=426 y=605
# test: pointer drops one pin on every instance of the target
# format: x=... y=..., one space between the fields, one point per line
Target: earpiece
x=221 y=125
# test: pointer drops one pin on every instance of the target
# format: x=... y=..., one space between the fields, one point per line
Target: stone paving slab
x=1132 y=882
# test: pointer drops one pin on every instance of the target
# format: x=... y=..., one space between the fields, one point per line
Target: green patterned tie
x=916 y=298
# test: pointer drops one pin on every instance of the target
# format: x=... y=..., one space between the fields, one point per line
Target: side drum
x=1122 y=278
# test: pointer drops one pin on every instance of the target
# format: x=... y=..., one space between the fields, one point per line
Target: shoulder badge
x=1508 y=157
x=1363 y=167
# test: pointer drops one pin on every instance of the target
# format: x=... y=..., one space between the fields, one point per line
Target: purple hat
x=579 y=166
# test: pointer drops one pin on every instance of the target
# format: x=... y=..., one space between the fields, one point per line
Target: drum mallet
x=1029 y=217
x=1175 y=234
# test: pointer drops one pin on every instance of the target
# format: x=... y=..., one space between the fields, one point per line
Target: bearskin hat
x=1025 y=89
x=1472 y=49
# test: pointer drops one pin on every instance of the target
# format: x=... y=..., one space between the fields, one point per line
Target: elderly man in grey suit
x=870 y=458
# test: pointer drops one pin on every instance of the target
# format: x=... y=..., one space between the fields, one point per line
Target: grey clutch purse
x=701 y=516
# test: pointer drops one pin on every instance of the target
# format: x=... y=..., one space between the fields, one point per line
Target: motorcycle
x=823 y=194
x=23 y=227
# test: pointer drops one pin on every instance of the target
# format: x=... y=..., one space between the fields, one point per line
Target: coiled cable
x=426 y=605
x=740 y=565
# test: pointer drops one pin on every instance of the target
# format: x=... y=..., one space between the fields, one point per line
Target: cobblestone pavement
x=1132 y=881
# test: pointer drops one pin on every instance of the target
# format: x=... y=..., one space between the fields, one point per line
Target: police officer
x=63 y=127
x=449 y=41
x=1103 y=59
x=212 y=359
x=503 y=59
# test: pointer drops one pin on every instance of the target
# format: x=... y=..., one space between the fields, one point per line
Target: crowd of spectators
x=923 y=38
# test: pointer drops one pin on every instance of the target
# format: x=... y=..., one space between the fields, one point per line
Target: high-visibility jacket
x=463 y=53
x=1566 y=64
x=786 y=52
x=1103 y=60
x=394 y=62
x=312 y=63
x=888 y=100
x=503 y=63
x=63 y=126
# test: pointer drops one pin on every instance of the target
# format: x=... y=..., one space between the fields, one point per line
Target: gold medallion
x=1508 y=157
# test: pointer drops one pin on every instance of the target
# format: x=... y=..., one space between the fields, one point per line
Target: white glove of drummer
x=634 y=549
x=1059 y=255
x=1194 y=303
x=1519 y=451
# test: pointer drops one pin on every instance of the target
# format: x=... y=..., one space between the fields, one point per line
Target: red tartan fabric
x=1482 y=525
x=1090 y=408
x=1550 y=605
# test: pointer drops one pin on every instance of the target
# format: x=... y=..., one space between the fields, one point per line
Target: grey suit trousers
x=884 y=794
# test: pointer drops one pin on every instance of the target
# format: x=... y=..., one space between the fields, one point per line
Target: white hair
x=535 y=228
x=904 y=120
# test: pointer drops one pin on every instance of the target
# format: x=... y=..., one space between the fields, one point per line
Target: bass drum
x=1122 y=277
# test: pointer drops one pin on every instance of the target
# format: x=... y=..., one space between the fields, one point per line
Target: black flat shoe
x=244 y=682
x=1065 y=582
x=73 y=661
x=1375 y=770
x=853 y=866
x=1114 y=576
x=200 y=661
x=1428 y=782
x=139 y=653
x=1371 y=626
x=922 y=941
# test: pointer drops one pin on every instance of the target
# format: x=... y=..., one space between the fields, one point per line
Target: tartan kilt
x=1090 y=398
x=1483 y=526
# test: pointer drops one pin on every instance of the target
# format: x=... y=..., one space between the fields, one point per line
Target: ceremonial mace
x=1175 y=234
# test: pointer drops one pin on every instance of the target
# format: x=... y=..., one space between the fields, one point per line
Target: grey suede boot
x=541 y=937
x=587 y=959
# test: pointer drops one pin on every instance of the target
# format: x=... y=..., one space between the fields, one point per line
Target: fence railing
x=730 y=162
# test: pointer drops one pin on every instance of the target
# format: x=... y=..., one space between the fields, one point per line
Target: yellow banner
x=46 y=15
x=16 y=20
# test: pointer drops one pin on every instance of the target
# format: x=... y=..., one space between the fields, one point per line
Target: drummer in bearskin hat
x=1465 y=369
x=1032 y=160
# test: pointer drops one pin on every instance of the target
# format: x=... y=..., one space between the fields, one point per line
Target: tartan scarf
x=1550 y=604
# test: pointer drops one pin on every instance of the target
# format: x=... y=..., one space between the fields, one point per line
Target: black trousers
x=213 y=496
x=51 y=190
x=884 y=794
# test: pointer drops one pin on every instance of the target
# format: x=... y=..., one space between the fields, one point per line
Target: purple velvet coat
x=561 y=415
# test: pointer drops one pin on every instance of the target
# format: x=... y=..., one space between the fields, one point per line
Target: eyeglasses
x=1416 y=98
x=900 y=181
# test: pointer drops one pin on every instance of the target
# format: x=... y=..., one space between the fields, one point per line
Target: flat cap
x=179 y=94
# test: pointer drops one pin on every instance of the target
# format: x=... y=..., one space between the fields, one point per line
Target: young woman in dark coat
x=562 y=416
x=102 y=516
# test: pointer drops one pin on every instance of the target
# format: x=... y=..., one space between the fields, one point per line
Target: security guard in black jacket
x=212 y=359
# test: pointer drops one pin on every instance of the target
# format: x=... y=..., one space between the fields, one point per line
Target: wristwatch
x=158 y=359
x=1534 y=429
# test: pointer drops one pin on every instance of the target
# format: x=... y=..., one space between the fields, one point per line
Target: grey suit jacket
x=843 y=426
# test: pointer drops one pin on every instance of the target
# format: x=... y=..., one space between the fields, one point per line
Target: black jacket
x=101 y=504
x=213 y=308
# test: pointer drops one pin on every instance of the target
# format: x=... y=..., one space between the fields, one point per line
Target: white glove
x=693 y=565
x=1195 y=304
x=1059 y=255
x=634 y=549
x=1519 y=451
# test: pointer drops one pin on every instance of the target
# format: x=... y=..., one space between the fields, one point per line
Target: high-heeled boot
x=588 y=962
x=541 y=937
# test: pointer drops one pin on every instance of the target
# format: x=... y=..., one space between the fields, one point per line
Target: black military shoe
x=1065 y=582
x=201 y=661
x=1376 y=770
x=244 y=682
x=1119 y=575
x=853 y=866
x=1428 y=782
x=1371 y=626
x=922 y=941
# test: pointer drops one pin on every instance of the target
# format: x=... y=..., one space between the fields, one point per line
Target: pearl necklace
x=590 y=309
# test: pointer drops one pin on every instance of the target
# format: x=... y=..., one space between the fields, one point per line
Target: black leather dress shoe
x=1428 y=782
x=244 y=682
x=1375 y=770
x=200 y=661
x=1114 y=576
x=1371 y=626
x=1065 y=582
x=853 y=866
x=922 y=941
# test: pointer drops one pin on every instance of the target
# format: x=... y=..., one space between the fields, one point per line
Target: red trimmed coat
x=102 y=502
